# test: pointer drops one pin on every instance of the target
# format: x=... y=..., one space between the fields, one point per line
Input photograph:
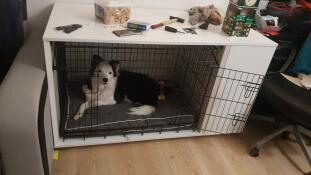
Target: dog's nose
x=105 y=80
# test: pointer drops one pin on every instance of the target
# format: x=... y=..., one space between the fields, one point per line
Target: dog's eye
x=110 y=72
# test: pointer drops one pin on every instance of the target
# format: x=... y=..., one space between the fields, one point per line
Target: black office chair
x=293 y=102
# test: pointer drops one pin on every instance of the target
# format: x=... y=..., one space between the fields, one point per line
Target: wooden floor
x=213 y=155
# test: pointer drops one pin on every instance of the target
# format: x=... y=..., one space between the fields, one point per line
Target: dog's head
x=104 y=71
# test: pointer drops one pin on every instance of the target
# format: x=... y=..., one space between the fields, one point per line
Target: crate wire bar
x=192 y=71
x=229 y=106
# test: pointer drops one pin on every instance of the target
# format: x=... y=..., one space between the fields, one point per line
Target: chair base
x=294 y=129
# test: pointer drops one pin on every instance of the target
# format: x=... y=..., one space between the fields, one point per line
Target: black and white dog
x=109 y=85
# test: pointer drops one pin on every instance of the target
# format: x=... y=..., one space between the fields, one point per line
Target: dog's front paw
x=77 y=116
x=113 y=102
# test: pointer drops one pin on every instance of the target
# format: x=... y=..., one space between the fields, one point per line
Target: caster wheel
x=285 y=135
x=254 y=152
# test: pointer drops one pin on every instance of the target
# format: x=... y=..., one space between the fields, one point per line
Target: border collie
x=109 y=85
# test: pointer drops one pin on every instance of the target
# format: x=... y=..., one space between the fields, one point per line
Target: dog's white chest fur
x=103 y=94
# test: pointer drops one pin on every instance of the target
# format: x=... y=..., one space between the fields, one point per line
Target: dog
x=101 y=88
x=109 y=85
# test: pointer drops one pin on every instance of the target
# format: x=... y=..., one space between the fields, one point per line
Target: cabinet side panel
x=52 y=84
x=250 y=58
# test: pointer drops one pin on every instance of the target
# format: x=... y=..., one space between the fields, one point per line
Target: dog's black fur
x=137 y=87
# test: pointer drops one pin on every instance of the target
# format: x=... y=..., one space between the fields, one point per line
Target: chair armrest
x=19 y=105
x=290 y=58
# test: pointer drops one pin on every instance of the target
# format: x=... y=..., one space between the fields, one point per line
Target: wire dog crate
x=192 y=72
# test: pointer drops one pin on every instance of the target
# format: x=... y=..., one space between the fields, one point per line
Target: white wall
x=39 y=10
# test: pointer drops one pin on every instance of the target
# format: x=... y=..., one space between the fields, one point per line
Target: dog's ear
x=96 y=60
x=115 y=67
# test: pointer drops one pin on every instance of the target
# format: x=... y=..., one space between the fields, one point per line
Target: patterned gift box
x=238 y=20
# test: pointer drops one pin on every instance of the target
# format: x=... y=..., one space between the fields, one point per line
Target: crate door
x=230 y=101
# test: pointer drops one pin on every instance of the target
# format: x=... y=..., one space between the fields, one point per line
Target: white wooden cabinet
x=243 y=64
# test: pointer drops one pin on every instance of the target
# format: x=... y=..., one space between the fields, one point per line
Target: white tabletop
x=94 y=30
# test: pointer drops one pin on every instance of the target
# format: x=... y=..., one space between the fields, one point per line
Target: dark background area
x=12 y=14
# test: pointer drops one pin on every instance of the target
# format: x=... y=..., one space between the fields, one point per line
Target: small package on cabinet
x=113 y=11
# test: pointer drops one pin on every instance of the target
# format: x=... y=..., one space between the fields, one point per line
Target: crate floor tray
x=172 y=113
